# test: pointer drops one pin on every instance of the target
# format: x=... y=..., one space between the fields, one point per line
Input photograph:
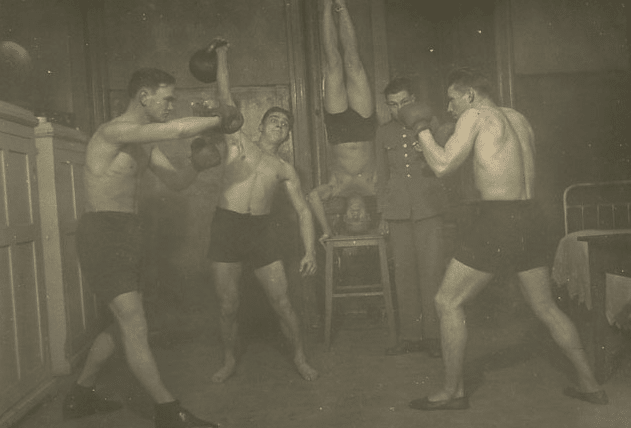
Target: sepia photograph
x=315 y=213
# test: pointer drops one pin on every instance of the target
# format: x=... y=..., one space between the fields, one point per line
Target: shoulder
x=285 y=166
x=387 y=129
x=100 y=139
x=284 y=169
x=514 y=114
x=472 y=117
x=110 y=132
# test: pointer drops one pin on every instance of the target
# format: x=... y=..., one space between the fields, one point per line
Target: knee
x=444 y=304
x=280 y=303
x=547 y=312
x=229 y=307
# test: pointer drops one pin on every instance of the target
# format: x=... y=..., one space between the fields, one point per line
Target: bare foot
x=225 y=372
x=306 y=371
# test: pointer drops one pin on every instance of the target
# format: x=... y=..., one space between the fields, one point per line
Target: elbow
x=441 y=172
x=312 y=197
x=440 y=168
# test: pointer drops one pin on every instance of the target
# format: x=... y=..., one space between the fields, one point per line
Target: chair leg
x=328 y=296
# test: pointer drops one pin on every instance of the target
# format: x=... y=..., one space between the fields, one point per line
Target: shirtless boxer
x=109 y=234
x=349 y=112
x=507 y=232
x=241 y=231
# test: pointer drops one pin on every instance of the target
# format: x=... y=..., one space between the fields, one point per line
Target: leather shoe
x=457 y=403
x=434 y=348
x=82 y=402
x=596 y=397
x=406 y=347
x=182 y=418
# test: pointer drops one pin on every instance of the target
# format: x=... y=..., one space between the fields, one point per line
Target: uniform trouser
x=419 y=265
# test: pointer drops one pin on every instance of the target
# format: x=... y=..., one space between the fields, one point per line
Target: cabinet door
x=81 y=307
x=23 y=337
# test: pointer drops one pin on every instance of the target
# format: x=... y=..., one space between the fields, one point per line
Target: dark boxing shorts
x=349 y=126
x=506 y=234
x=236 y=237
x=109 y=246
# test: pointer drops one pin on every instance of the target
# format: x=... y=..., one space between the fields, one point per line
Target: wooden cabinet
x=24 y=354
x=73 y=314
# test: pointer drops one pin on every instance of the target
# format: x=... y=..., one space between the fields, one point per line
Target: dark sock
x=167 y=408
x=80 y=389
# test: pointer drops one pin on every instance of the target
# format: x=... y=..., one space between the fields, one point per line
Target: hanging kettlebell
x=203 y=63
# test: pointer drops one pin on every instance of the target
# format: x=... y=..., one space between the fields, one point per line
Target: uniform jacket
x=407 y=188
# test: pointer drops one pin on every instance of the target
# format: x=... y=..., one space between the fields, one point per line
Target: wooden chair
x=335 y=291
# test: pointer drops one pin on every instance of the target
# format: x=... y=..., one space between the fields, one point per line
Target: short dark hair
x=397 y=85
x=466 y=77
x=277 y=109
x=151 y=78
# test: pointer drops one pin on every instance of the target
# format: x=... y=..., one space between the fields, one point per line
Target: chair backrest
x=605 y=205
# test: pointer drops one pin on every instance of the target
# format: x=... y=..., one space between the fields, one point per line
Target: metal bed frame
x=605 y=205
x=601 y=206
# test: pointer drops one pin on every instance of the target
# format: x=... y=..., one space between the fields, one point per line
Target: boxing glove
x=204 y=154
x=231 y=117
x=443 y=132
x=416 y=116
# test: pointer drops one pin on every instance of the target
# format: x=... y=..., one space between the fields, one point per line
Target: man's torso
x=251 y=179
x=353 y=158
x=112 y=173
x=504 y=155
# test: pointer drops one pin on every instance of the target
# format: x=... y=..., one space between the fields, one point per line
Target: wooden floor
x=514 y=376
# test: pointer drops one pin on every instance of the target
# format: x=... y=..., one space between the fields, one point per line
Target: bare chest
x=130 y=160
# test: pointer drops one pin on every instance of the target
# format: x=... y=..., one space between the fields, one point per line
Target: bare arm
x=446 y=160
x=307 y=233
x=223 y=80
x=528 y=156
x=315 y=198
x=121 y=132
x=225 y=95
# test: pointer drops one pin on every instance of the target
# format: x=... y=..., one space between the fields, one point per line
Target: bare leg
x=535 y=285
x=101 y=350
x=130 y=316
x=274 y=282
x=357 y=85
x=226 y=277
x=335 y=97
x=223 y=80
x=461 y=283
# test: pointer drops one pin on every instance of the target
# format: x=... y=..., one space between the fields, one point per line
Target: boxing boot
x=172 y=415
x=82 y=401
